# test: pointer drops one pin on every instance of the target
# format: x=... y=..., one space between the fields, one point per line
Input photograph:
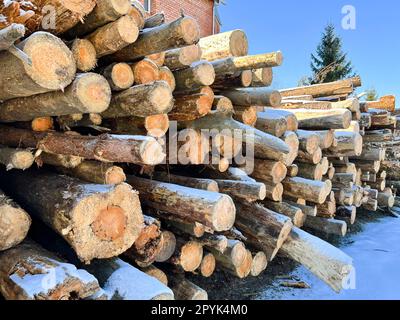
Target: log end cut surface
x=224 y=214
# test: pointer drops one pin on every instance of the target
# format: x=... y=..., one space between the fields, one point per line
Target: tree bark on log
x=310 y=190
x=9 y=35
x=309 y=141
x=28 y=263
x=97 y=221
x=262 y=77
x=105 y=148
x=253 y=97
x=294 y=213
x=141 y=101
x=212 y=209
x=227 y=44
x=196 y=183
x=89 y=93
x=240 y=79
x=275 y=125
x=14 y=223
x=223 y=104
x=246 y=190
x=179 y=33
x=59 y=160
x=267 y=170
x=155 y=20
x=329 y=226
x=182 y=58
x=53 y=67
x=199 y=74
x=189 y=108
x=185 y=290
x=167 y=75
x=16 y=158
x=325 y=261
x=104 y=12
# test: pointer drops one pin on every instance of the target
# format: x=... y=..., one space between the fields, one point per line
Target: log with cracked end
x=98 y=221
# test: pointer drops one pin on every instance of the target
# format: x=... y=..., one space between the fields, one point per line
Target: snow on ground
x=376 y=254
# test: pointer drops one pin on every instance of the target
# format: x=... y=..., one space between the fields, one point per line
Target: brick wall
x=201 y=10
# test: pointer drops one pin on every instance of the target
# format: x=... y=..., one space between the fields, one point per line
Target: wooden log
x=387 y=103
x=371 y=154
x=89 y=93
x=306 y=209
x=365 y=120
x=386 y=200
x=179 y=33
x=329 y=226
x=42 y=124
x=49 y=72
x=268 y=170
x=325 y=261
x=368 y=166
x=323 y=119
x=156 y=273
x=246 y=115
x=184 y=228
x=215 y=242
x=370 y=205
x=310 y=190
x=16 y=158
x=59 y=160
x=347 y=214
x=187 y=255
x=114 y=36
x=167 y=76
x=233 y=254
x=196 y=183
x=141 y=101
x=182 y=58
x=121 y=281
x=327 y=209
x=314 y=158
x=10 y=34
x=322 y=90
x=391 y=168
x=229 y=66
x=185 y=290
x=253 y=97
x=207 y=266
x=232 y=43
x=212 y=209
x=246 y=190
x=262 y=77
x=265 y=229
x=103 y=229
x=167 y=246
x=292 y=141
x=378 y=135
x=309 y=141
x=274 y=191
x=96 y=172
x=106 y=148
x=259 y=265
x=326 y=138
x=306 y=105
x=293 y=170
x=271 y=124
x=14 y=223
x=17 y=277
x=145 y=71
x=199 y=74
x=294 y=213
x=189 y=108
x=84 y=54
x=352 y=104
x=222 y=104
x=155 y=20
x=292 y=123
x=240 y=79
x=138 y=13
x=244 y=269
x=310 y=171
x=120 y=76
x=348 y=144
x=158 y=58
x=146 y=247
x=104 y=12
x=265 y=145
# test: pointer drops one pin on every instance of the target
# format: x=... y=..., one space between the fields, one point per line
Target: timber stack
x=146 y=153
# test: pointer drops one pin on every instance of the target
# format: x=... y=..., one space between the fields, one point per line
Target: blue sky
x=295 y=28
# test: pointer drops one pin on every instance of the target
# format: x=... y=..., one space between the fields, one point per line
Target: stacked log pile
x=114 y=165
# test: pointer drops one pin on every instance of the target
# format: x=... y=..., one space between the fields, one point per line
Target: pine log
x=323 y=119
x=145 y=71
x=223 y=104
x=185 y=290
x=199 y=74
x=207 y=266
x=122 y=281
x=371 y=154
x=246 y=115
x=378 y=135
x=187 y=255
x=348 y=144
x=267 y=170
x=107 y=148
x=53 y=67
x=370 y=205
x=259 y=264
x=158 y=58
x=179 y=33
x=232 y=43
x=249 y=191
x=166 y=75
x=96 y=172
x=271 y=124
x=59 y=160
x=265 y=229
x=387 y=103
x=242 y=271
x=182 y=58
x=326 y=137
x=42 y=124
x=253 y=97
x=84 y=54
x=104 y=12
x=196 y=183
x=386 y=200
x=309 y=141
x=306 y=105
x=16 y=158
x=141 y=101
x=294 y=213
x=310 y=190
x=329 y=226
x=292 y=141
x=293 y=170
x=120 y=76
x=240 y=79
x=10 y=34
x=322 y=90
x=365 y=120
x=347 y=214
x=138 y=13
x=352 y=104
x=27 y=273
x=84 y=215
x=314 y=158
x=89 y=93
x=155 y=20
x=262 y=77
x=167 y=246
x=14 y=223
x=156 y=273
x=292 y=123
x=310 y=171
x=212 y=209
x=232 y=256
x=189 y=108
x=265 y=145
x=306 y=209
x=217 y=243
x=392 y=169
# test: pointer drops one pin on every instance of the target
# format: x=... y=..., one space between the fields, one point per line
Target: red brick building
x=204 y=11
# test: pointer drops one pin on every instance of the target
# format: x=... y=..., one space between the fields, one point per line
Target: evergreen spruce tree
x=330 y=63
